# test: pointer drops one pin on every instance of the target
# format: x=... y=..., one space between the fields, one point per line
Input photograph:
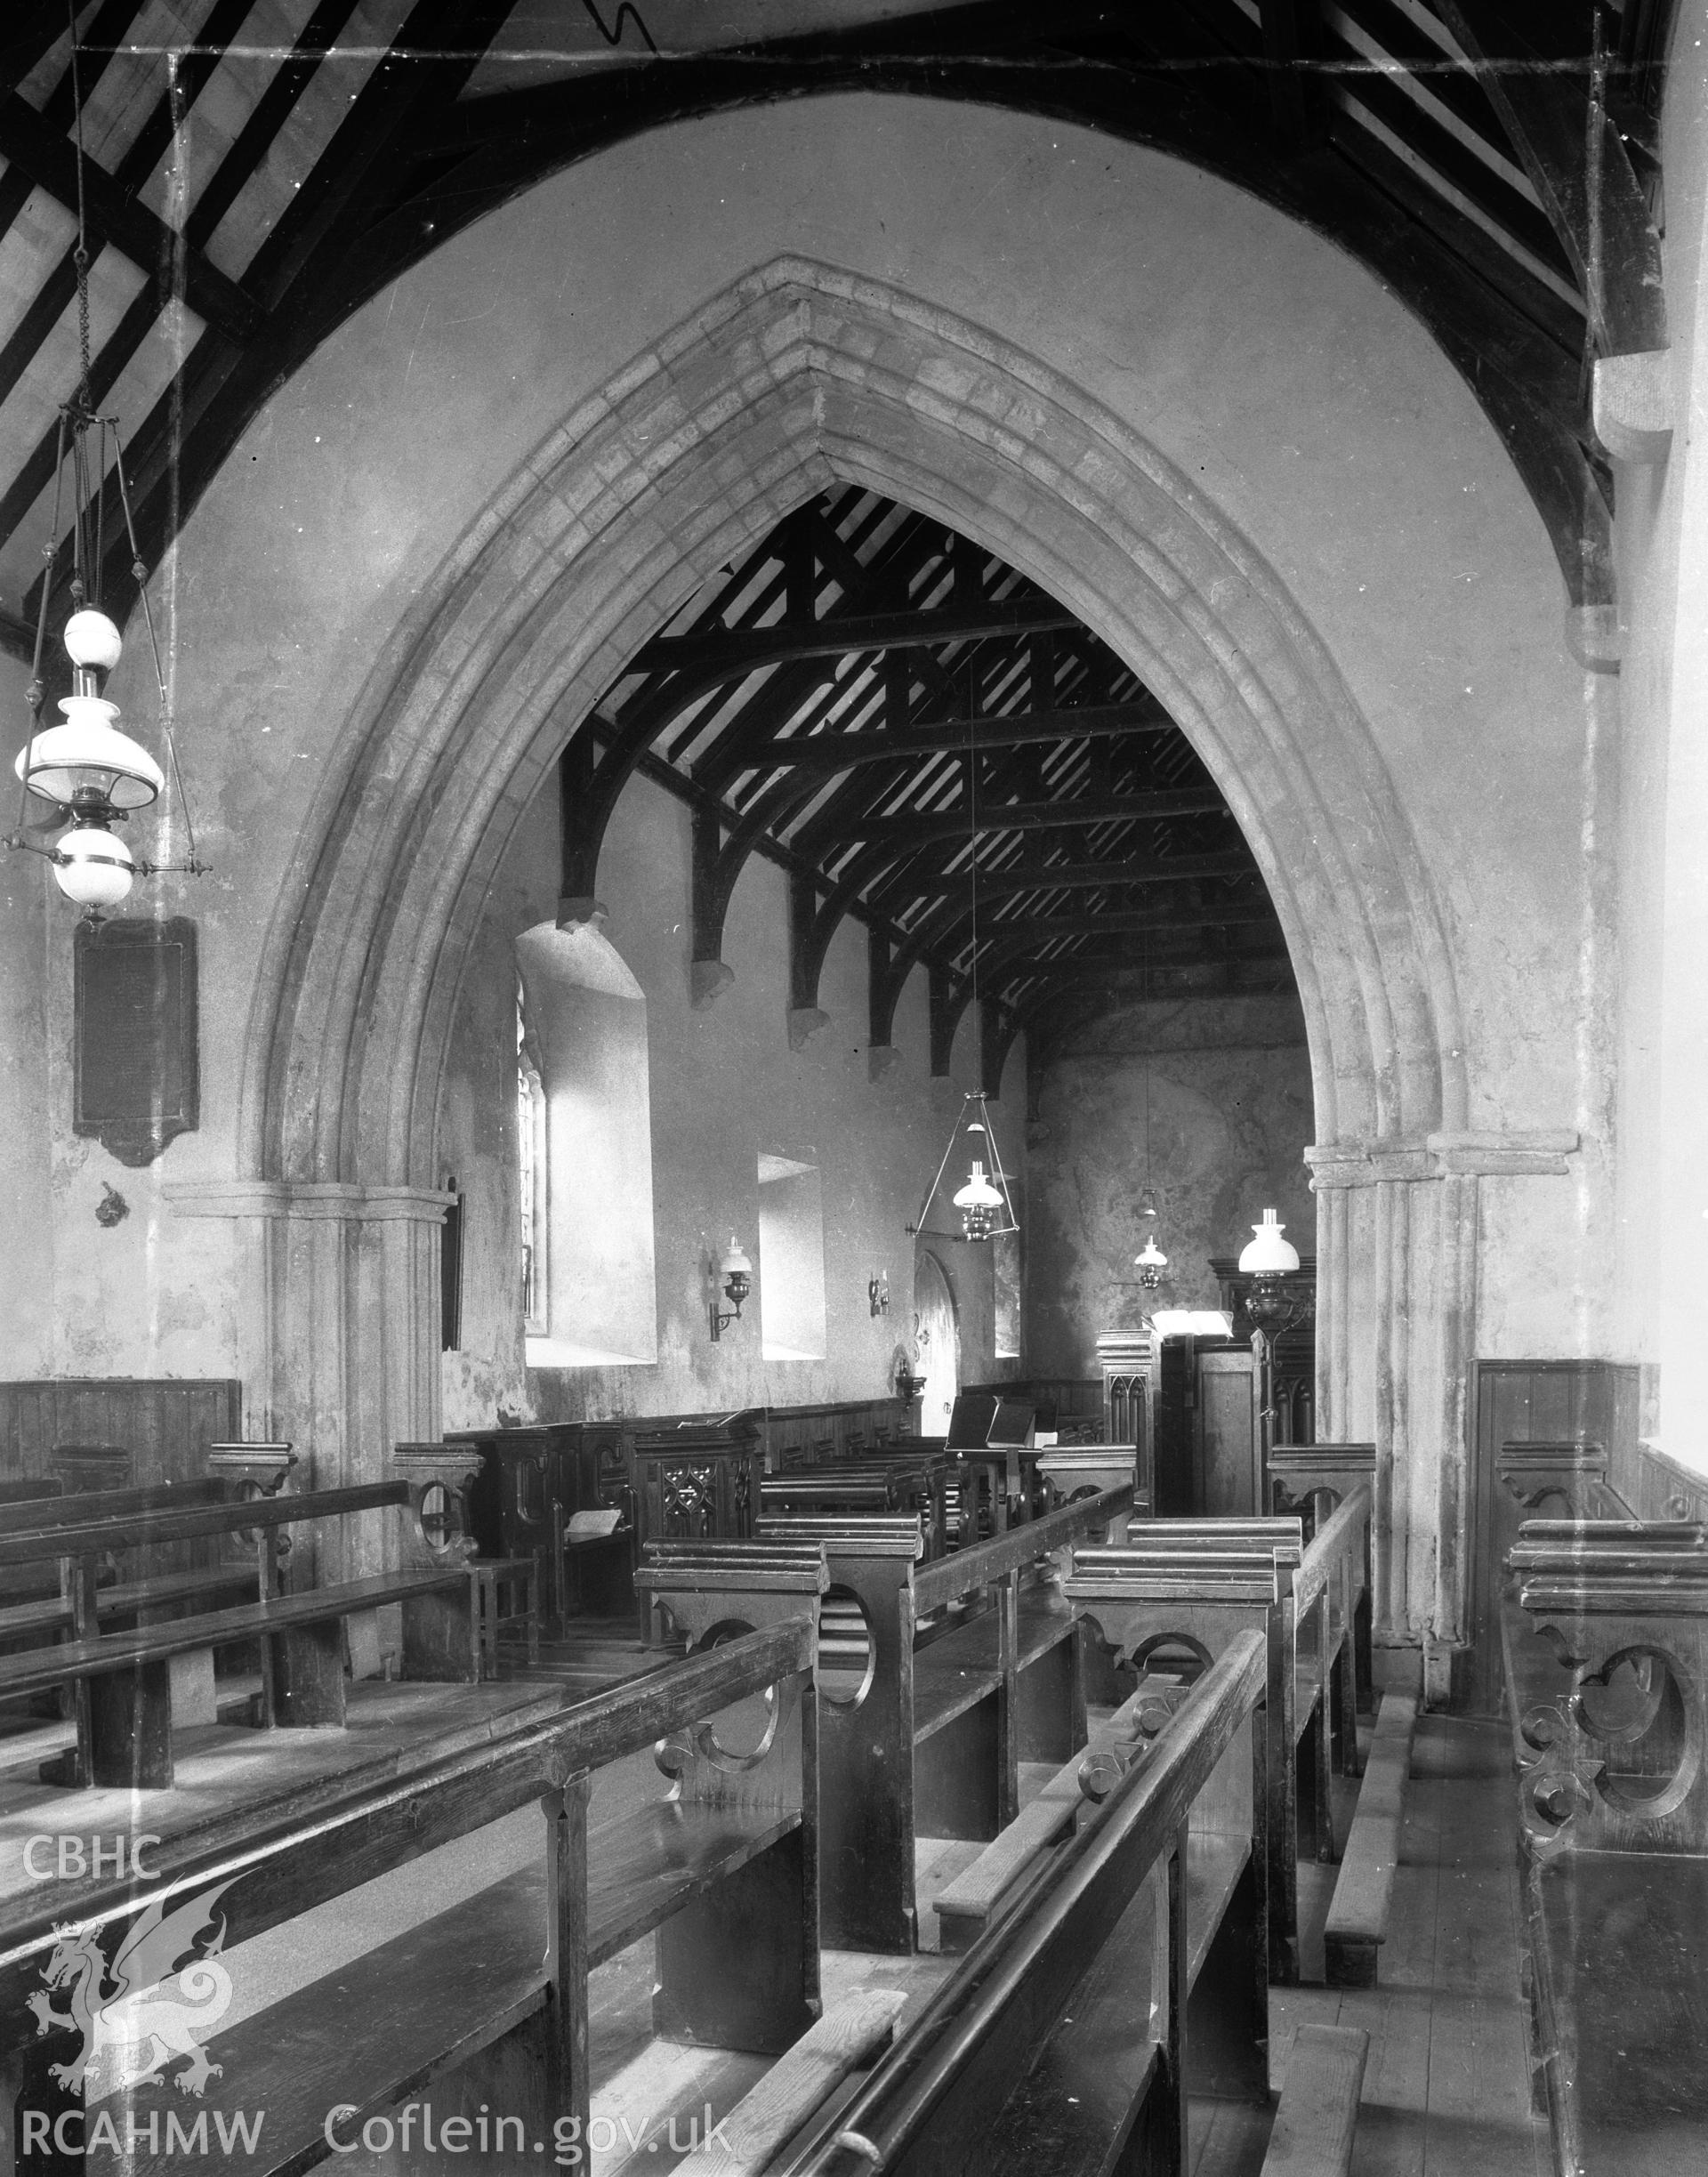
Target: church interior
x=852 y=967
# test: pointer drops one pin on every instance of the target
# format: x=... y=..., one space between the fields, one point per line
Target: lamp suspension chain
x=91 y=774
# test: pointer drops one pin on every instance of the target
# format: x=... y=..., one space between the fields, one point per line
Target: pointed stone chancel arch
x=796 y=377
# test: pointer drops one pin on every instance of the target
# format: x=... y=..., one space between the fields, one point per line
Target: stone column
x=339 y=1326
x=1398 y=1257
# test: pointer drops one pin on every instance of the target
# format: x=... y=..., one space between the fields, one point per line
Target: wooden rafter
x=1445 y=226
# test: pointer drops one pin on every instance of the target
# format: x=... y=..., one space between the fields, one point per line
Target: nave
x=851 y=1053
x=382 y=1897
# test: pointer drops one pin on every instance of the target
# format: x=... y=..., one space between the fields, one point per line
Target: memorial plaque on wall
x=137 y=1073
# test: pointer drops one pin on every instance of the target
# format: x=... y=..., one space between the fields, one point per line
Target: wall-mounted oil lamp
x=877 y=1293
x=738 y=1275
x=909 y=1383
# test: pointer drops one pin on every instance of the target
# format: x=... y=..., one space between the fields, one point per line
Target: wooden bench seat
x=846 y=2038
x=120 y=1679
x=954 y=1673
x=1318 y=2119
x=1358 y=1914
x=486 y=2001
x=980 y=1893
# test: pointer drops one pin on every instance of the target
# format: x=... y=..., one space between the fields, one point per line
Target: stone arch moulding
x=795 y=375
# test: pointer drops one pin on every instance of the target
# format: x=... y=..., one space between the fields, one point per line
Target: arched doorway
x=937 y=1342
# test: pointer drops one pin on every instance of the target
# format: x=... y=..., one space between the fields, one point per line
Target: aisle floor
x=1447 y=2087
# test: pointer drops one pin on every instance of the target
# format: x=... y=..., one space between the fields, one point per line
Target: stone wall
x=1229 y=1087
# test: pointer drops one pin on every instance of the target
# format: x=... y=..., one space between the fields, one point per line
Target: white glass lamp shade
x=978 y=1204
x=93 y=867
x=735 y=1263
x=977 y=1192
x=88 y=752
x=92 y=641
x=1153 y=1257
x=1268 y=1254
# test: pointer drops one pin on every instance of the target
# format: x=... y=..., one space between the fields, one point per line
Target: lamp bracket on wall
x=737 y=1274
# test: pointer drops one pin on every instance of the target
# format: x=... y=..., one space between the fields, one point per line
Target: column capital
x=1542 y=1153
x=334 y=1201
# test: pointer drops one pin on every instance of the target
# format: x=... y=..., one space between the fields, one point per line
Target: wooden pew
x=29 y=1489
x=937 y=1681
x=933 y=1479
x=1311 y=1479
x=1194 y=1584
x=487 y=2002
x=1066 y=2040
x=91 y=1468
x=1571 y=1477
x=122 y=1681
x=1564 y=1481
x=1072 y=1472
x=1605 y=1632
x=238 y=1473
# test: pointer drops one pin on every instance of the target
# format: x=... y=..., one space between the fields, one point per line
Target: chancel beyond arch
x=796 y=375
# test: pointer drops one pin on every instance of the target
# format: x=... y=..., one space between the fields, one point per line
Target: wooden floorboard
x=1446 y=2090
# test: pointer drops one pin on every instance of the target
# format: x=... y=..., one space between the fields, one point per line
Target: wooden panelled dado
x=1527 y=1402
x=805 y=1435
x=166 y=1423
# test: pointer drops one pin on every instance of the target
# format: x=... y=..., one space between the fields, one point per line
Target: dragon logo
x=167 y=1989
